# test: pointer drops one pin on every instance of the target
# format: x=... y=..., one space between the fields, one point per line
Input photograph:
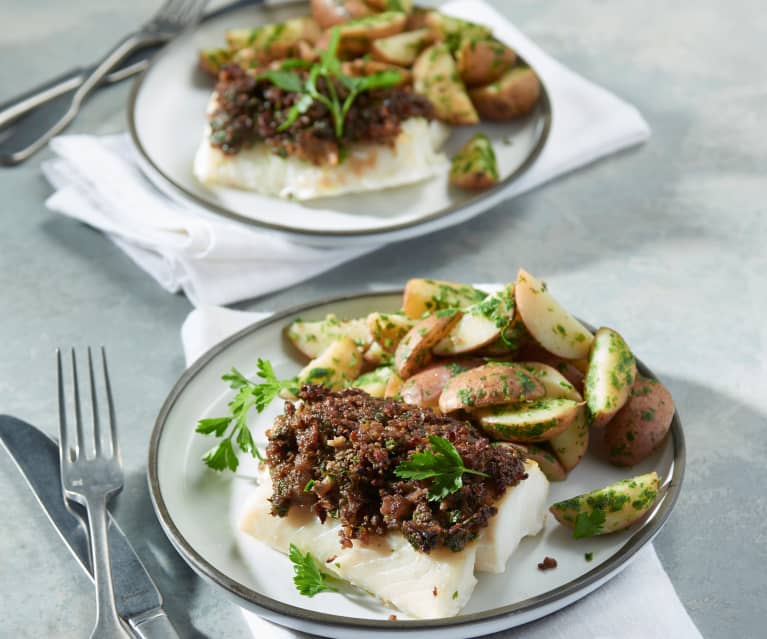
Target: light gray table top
x=666 y=243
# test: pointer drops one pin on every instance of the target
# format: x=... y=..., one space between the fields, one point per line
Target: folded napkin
x=97 y=180
x=640 y=603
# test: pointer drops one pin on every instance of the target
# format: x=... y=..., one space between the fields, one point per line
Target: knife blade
x=37 y=457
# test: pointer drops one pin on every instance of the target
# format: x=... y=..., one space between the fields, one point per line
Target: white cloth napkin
x=97 y=180
x=640 y=603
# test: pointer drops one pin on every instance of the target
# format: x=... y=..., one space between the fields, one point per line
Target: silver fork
x=172 y=18
x=91 y=474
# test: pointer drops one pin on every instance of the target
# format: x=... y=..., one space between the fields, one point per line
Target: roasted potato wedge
x=608 y=509
x=388 y=329
x=545 y=319
x=555 y=384
x=532 y=352
x=425 y=387
x=483 y=61
x=401 y=49
x=329 y=13
x=480 y=325
x=414 y=351
x=535 y=421
x=489 y=385
x=641 y=425
x=545 y=459
x=436 y=77
x=610 y=376
x=335 y=367
x=475 y=167
x=211 y=60
x=452 y=30
x=514 y=95
x=274 y=41
x=571 y=444
x=312 y=338
x=374 y=383
x=428 y=296
x=357 y=35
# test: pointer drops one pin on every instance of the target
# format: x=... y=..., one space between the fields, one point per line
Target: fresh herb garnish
x=329 y=69
x=307 y=576
x=588 y=525
x=442 y=464
x=234 y=427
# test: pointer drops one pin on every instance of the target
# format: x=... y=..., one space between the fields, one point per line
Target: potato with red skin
x=512 y=96
x=489 y=385
x=530 y=421
x=428 y=296
x=543 y=456
x=436 y=77
x=425 y=387
x=329 y=13
x=482 y=61
x=641 y=425
x=414 y=352
x=532 y=352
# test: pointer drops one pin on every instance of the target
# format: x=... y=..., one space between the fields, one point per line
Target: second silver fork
x=91 y=473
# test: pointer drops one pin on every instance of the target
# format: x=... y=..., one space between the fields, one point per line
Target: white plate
x=166 y=117
x=196 y=506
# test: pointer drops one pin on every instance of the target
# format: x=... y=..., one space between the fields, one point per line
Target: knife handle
x=153 y=625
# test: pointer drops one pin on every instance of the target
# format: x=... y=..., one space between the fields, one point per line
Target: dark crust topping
x=250 y=111
x=335 y=452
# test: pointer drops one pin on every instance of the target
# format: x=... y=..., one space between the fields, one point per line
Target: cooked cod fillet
x=422 y=585
x=414 y=157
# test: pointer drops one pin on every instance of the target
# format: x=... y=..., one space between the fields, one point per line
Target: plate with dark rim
x=166 y=119
x=198 y=508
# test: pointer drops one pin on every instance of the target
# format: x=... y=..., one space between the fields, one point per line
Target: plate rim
x=480 y=202
x=654 y=522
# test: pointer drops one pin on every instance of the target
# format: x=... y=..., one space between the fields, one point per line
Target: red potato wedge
x=548 y=322
x=414 y=352
x=610 y=376
x=272 y=41
x=361 y=68
x=571 y=444
x=427 y=296
x=401 y=49
x=608 y=509
x=329 y=13
x=535 y=421
x=542 y=456
x=436 y=77
x=335 y=367
x=641 y=425
x=376 y=355
x=480 y=325
x=406 y=6
x=388 y=329
x=483 y=61
x=394 y=386
x=553 y=381
x=425 y=387
x=513 y=96
x=375 y=382
x=489 y=385
x=417 y=18
x=532 y=352
x=312 y=338
x=452 y=30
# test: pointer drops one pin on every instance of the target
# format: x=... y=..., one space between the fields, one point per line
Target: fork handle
x=108 y=623
x=102 y=69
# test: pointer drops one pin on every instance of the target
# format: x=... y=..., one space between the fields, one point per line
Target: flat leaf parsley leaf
x=588 y=525
x=234 y=427
x=442 y=464
x=307 y=576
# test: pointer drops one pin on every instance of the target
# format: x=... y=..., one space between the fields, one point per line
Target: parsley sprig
x=234 y=426
x=442 y=464
x=306 y=574
x=328 y=68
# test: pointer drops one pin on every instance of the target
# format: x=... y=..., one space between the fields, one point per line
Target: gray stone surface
x=665 y=243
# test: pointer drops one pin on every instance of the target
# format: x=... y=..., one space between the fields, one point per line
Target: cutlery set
x=73 y=483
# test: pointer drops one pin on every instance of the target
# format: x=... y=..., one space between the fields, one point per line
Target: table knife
x=37 y=457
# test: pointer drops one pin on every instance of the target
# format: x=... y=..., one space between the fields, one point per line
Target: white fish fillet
x=423 y=585
x=415 y=156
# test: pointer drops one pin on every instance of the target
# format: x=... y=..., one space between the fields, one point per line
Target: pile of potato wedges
x=515 y=363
